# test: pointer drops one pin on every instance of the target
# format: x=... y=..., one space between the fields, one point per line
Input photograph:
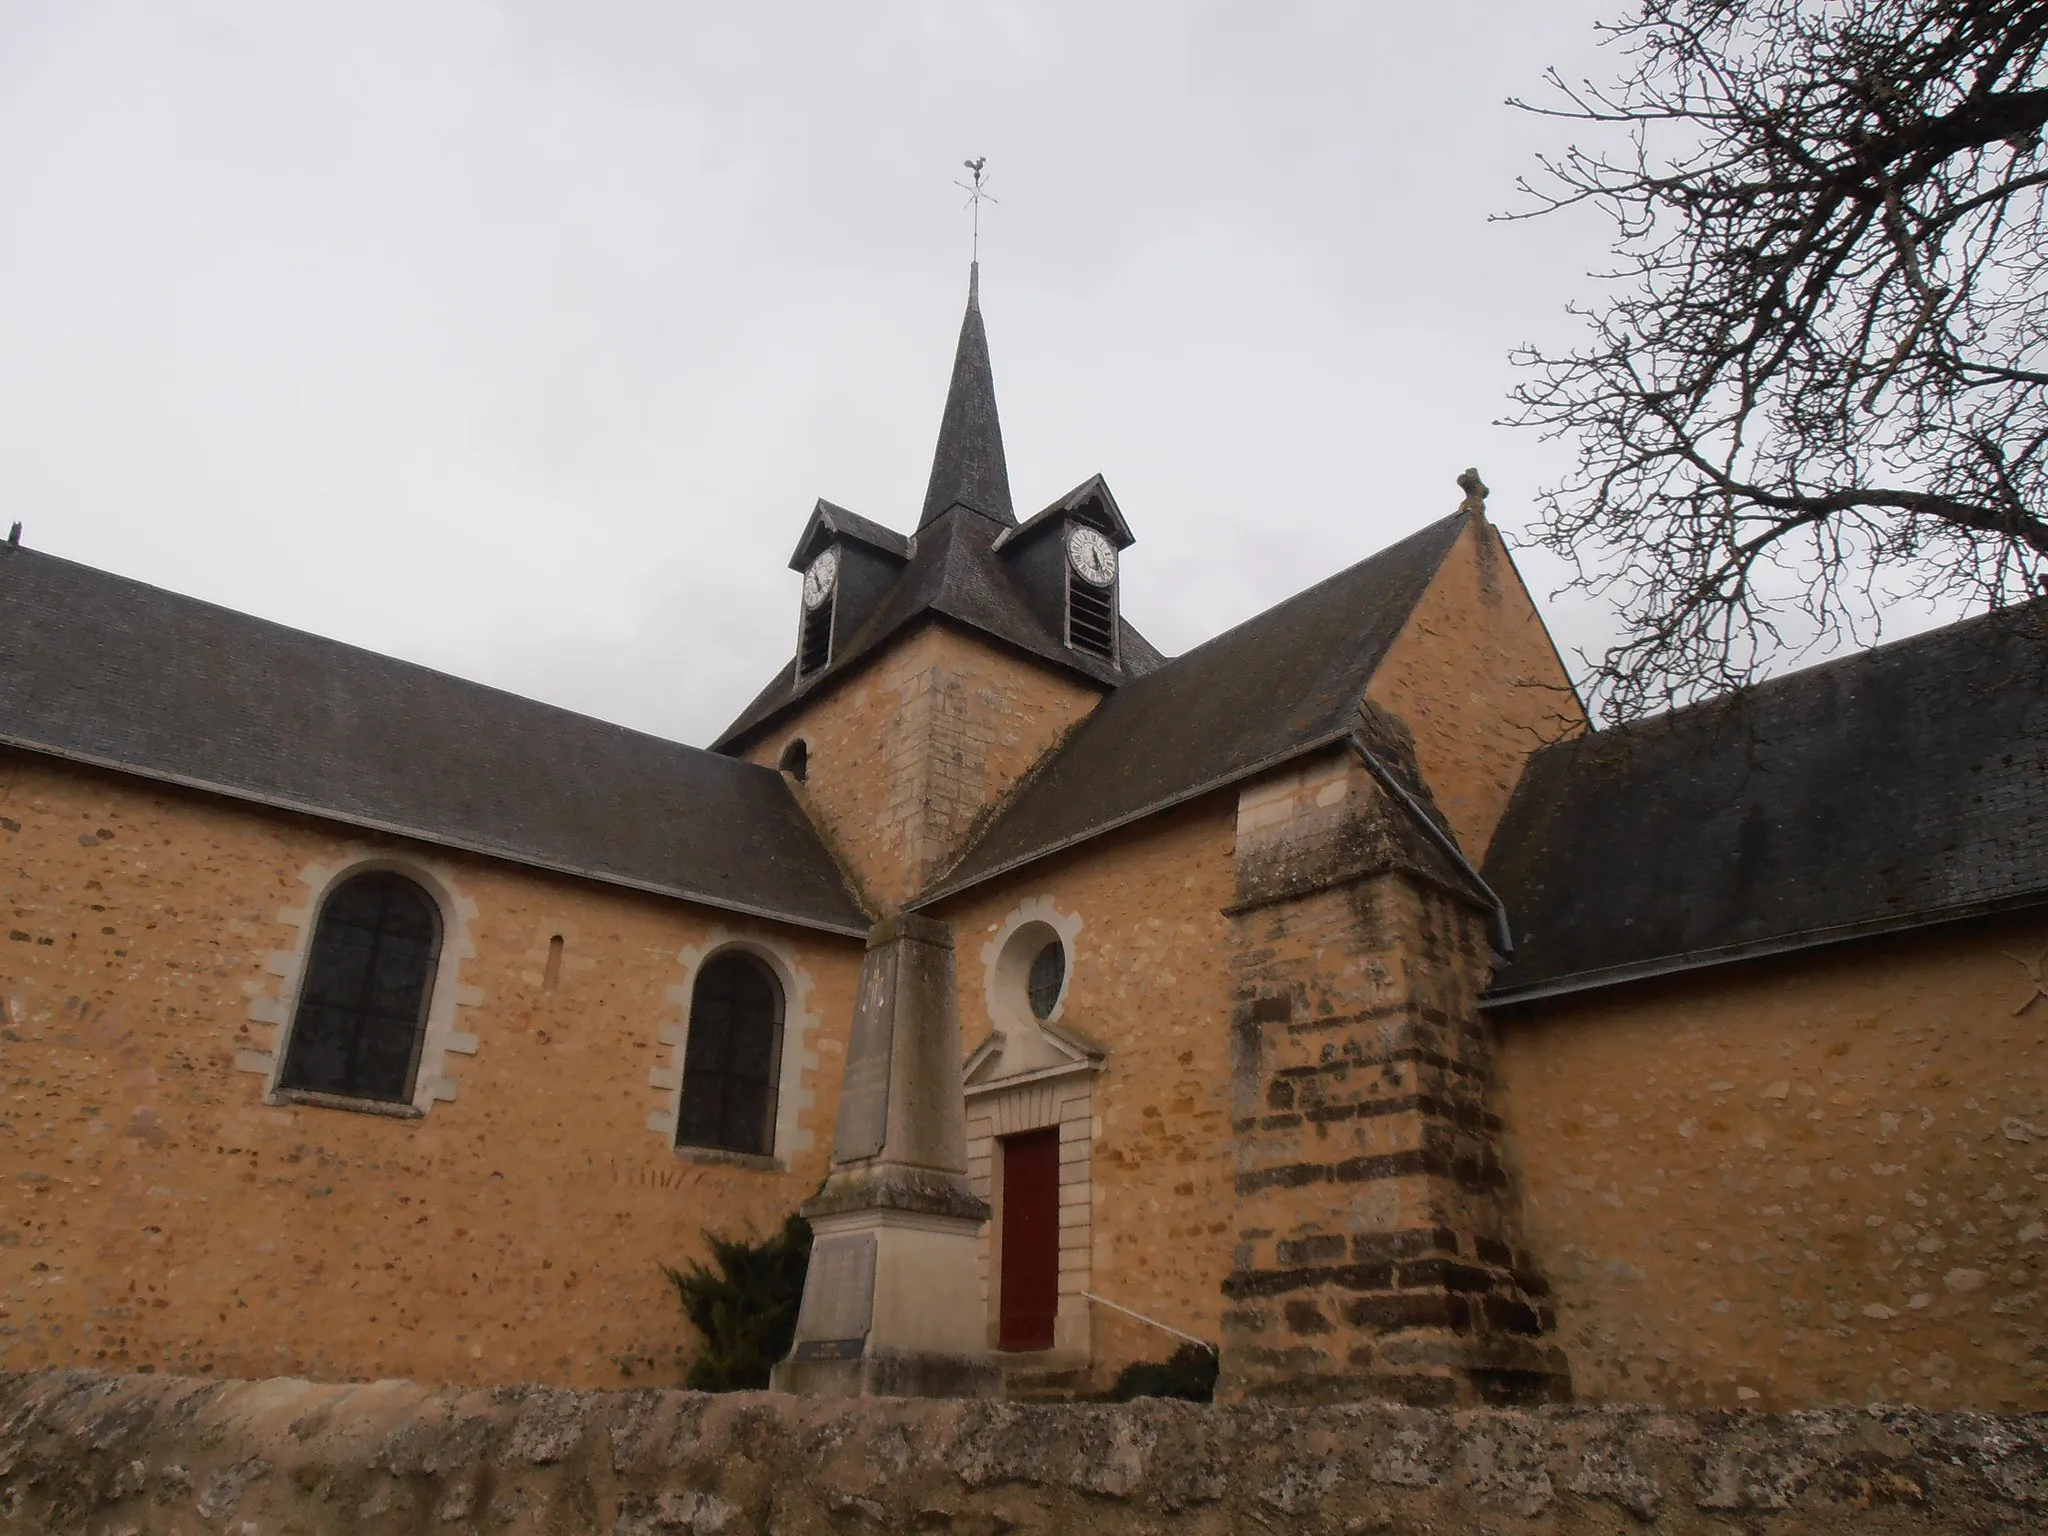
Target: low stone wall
x=127 y=1455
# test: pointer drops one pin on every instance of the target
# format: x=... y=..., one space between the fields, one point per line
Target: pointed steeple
x=968 y=465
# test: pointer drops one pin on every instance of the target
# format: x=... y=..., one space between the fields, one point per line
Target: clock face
x=819 y=578
x=1092 y=556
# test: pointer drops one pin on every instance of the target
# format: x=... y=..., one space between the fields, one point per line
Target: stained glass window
x=733 y=1060
x=363 y=1004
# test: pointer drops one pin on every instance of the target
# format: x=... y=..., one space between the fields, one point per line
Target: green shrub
x=1190 y=1374
x=746 y=1310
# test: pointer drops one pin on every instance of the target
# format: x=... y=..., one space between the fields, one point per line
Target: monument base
x=885 y=1373
x=892 y=1308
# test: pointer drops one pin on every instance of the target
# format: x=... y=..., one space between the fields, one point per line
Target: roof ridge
x=1887 y=650
x=363 y=650
x=1309 y=591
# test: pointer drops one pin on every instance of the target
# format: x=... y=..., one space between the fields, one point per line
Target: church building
x=1332 y=994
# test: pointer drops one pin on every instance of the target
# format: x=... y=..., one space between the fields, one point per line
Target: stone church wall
x=908 y=753
x=1149 y=983
x=1819 y=1178
x=157 y=1213
x=1475 y=677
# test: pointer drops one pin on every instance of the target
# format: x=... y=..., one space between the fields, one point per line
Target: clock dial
x=1092 y=556
x=819 y=578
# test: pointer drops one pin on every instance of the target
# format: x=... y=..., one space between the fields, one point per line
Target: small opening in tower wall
x=1091 y=618
x=552 y=976
x=814 y=649
x=796 y=760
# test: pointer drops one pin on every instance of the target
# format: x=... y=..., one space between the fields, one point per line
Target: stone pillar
x=892 y=1302
x=1375 y=1253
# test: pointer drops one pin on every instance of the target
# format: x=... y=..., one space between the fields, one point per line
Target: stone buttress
x=1376 y=1248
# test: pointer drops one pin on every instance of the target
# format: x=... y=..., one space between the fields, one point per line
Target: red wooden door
x=1031 y=1239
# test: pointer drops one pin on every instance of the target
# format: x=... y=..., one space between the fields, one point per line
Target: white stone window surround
x=448 y=997
x=1031 y=1075
x=800 y=1024
x=1006 y=961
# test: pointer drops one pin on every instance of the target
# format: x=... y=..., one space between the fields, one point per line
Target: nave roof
x=1894 y=788
x=104 y=670
x=1282 y=683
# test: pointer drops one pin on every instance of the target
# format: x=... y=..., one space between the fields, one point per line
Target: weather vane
x=977 y=194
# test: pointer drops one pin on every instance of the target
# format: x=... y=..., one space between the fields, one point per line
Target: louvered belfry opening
x=814 y=647
x=1091 y=617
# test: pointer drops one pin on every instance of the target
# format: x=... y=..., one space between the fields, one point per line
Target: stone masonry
x=161 y=1212
x=157 y=1455
x=907 y=754
x=1375 y=1252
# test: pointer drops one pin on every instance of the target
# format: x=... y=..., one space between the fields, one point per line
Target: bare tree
x=1823 y=381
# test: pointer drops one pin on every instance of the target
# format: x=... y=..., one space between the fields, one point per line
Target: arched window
x=363 y=1004
x=733 y=1060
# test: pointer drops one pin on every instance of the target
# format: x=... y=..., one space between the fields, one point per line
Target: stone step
x=1047 y=1376
x=1045 y=1386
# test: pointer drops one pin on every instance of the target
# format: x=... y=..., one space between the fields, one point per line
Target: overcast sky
x=518 y=339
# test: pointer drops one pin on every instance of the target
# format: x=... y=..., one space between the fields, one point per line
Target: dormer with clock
x=1091 y=591
x=848 y=564
x=814 y=639
x=1045 y=594
x=1065 y=562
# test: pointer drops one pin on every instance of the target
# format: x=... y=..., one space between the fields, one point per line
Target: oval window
x=1048 y=974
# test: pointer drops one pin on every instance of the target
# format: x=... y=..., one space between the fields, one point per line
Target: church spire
x=968 y=466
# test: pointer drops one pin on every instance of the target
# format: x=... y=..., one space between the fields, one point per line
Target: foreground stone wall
x=81 y=1452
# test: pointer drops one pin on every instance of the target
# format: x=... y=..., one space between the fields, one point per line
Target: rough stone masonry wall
x=1376 y=1252
x=1816 y=1178
x=153 y=1456
x=1475 y=676
x=908 y=752
x=156 y=1212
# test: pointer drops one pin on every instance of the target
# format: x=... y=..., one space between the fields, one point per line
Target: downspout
x=1503 y=936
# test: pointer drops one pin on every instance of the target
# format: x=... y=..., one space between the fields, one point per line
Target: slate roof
x=828 y=521
x=968 y=467
x=1092 y=494
x=954 y=572
x=1902 y=786
x=953 y=575
x=1290 y=679
x=104 y=670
